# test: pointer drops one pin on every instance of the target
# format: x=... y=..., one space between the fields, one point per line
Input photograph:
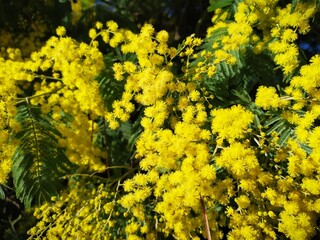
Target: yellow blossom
x=231 y=123
x=61 y=31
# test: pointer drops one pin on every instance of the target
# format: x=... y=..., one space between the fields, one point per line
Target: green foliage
x=19 y=16
x=295 y=2
x=283 y=128
x=233 y=83
x=229 y=6
x=110 y=89
x=2 y=194
x=120 y=142
x=38 y=162
x=215 y=4
x=237 y=83
x=120 y=146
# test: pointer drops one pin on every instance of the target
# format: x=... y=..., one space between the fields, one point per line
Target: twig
x=206 y=223
x=26 y=99
x=107 y=147
x=47 y=77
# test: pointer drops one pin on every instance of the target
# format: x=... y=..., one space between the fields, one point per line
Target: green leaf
x=306 y=148
x=126 y=130
x=215 y=4
x=38 y=161
x=119 y=143
x=110 y=89
x=285 y=135
x=132 y=140
x=215 y=36
x=226 y=70
x=2 y=194
x=256 y=121
x=242 y=94
x=281 y=126
x=275 y=127
x=272 y=121
x=294 y=5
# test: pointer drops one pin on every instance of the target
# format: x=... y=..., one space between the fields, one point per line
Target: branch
x=206 y=223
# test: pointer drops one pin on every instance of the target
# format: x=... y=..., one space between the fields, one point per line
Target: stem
x=107 y=147
x=92 y=130
x=206 y=223
x=178 y=52
x=47 y=77
x=94 y=174
x=114 y=198
x=26 y=99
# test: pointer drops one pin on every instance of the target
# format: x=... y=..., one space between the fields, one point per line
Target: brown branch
x=206 y=223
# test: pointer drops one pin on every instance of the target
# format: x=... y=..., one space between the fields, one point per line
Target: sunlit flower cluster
x=86 y=205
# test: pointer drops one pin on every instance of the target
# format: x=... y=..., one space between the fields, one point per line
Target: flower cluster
x=77 y=214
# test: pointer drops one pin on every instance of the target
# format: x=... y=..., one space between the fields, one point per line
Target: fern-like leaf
x=215 y=4
x=38 y=162
x=110 y=89
x=284 y=129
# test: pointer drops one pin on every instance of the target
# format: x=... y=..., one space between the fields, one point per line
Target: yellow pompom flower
x=99 y=25
x=243 y=201
x=92 y=33
x=112 y=26
x=61 y=31
x=231 y=123
x=238 y=160
x=267 y=98
x=194 y=95
x=162 y=36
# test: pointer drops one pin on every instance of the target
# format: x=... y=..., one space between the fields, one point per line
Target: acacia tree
x=126 y=136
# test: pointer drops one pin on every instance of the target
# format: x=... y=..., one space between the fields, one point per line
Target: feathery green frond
x=214 y=4
x=110 y=89
x=230 y=5
x=38 y=162
x=281 y=126
x=119 y=142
